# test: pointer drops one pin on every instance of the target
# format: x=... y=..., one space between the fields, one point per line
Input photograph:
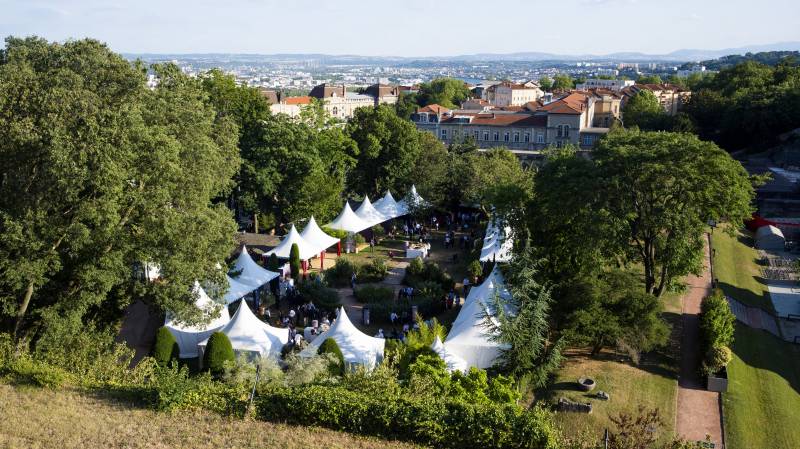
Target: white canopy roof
x=188 y=336
x=348 y=221
x=497 y=244
x=316 y=237
x=412 y=199
x=388 y=207
x=284 y=249
x=236 y=290
x=367 y=212
x=469 y=338
x=357 y=347
x=249 y=334
x=251 y=272
x=453 y=361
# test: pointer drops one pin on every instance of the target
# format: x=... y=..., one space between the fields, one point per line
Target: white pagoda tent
x=453 y=361
x=316 y=237
x=497 y=243
x=251 y=336
x=357 y=347
x=413 y=199
x=284 y=249
x=189 y=336
x=388 y=206
x=367 y=212
x=251 y=272
x=469 y=337
x=236 y=290
x=348 y=221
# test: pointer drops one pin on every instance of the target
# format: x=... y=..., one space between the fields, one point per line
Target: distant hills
x=683 y=55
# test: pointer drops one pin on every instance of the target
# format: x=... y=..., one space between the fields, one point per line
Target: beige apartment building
x=510 y=94
x=671 y=97
x=338 y=102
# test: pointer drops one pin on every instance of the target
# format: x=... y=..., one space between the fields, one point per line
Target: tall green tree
x=649 y=79
x=388 y=147
x=545 y=83
x=659 y=190
x=563 y=82
x=99 y=173
x=644 y=110
x=447 y=92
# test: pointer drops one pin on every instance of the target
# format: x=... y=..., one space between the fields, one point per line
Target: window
x=587 y=139
x=335 y=110
x=423 y=118
x=506 y=137
x=558 y=144
x=486 y=135
x=444 y=134
x=527 y=137
x=476 y=134
x=540 y=138
x=516 y=137
x=559 y=131
x=496 y=136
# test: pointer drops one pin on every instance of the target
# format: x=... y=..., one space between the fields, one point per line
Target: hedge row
x=435 y=423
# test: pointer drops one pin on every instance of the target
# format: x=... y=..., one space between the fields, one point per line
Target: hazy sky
x=406 y=27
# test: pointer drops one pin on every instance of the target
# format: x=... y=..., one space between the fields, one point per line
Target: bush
x=419 y=272
x=378 y=233
x=26 y=370
x=359 y=239
x=374 y=294
x=173 y=389
x=294 y=261
x=446 y=424
x=716 y=321
x=715 y=359
x=323 y=297
x=474 y=269
x=272 y=263
x=380 y=312
x=374 y=271
x=338 y=233
x=329 y=346
x=218 y=351
x=165 y=348
x=339 y=275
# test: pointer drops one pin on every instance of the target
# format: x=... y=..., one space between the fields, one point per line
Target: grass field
x=37 y=418
x=762 y=405
x=652 y=384
x=736 y=268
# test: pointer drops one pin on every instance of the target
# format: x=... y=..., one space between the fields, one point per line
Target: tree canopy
x=99 y=173
x=447 y=92
x=388 y=146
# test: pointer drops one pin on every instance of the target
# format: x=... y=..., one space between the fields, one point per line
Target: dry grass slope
x=36 y=418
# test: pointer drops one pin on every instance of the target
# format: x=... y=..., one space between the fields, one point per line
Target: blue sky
x=406 y=27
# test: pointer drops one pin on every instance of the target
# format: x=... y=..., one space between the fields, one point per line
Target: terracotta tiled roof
x=433 y=108
x=298 y=100
x=573 y=103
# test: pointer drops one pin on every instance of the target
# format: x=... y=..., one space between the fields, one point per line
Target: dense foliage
x=165 y=349
x=218 y=351
x=101 y=173
x=717 y=323
x=329 y=346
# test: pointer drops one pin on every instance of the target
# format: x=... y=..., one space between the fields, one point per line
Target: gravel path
x=698 y=409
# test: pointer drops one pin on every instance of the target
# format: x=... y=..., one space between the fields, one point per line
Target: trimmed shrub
x=218 y=351
x=445 y=424
x=323 y=297
x=165 y=348
x=340 y=273
x=329 y=346
x=374 y=294
x=716 y=321
x=715 y=359
x=272 y=262
x=419 y=272
x=294 y=261
x=374 y=271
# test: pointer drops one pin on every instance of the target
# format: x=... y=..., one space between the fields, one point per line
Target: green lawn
x=736 y=267
x=762 y=405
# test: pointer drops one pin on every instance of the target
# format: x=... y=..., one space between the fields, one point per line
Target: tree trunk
x=22 y=309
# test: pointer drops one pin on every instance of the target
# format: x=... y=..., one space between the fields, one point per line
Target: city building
x=701 y=69
x=512 y=94
x=615 y=84
x=337 y=100
x=568 y=119
x=671 y=97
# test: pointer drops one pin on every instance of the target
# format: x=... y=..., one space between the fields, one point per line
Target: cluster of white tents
x=497 y=243
x=251 y=278
x=314 y=241
x=470 y=342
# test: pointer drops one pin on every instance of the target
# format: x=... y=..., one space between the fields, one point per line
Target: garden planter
x=586 y=384
x=718 y=382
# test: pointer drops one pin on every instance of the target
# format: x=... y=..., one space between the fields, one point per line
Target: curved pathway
x=698 y=409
